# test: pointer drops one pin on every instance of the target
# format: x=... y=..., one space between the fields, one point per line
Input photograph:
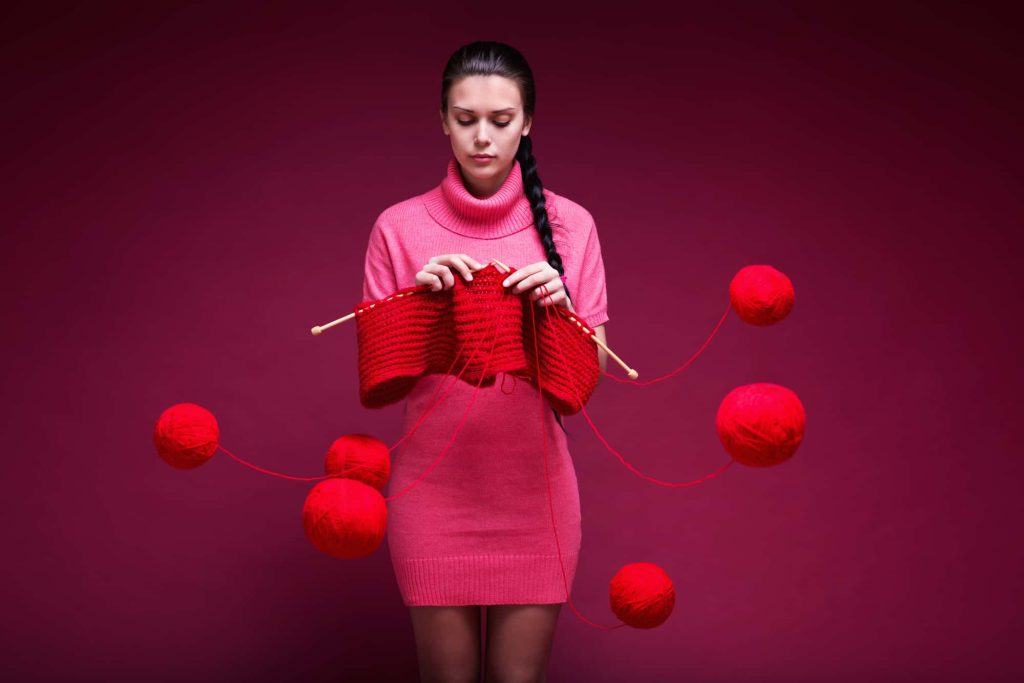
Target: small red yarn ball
x=360 y=457
x=186 y=435
x=761 y=424
x=642 y=595
x=344 y=518
x=761 y=295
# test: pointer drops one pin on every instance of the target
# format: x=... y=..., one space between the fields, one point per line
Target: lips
x=483 y=156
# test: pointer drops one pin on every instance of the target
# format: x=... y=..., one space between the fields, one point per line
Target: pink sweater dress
x=478 y=529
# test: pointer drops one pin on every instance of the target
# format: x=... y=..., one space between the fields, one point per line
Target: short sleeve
x=590 y=294
x=379 y=279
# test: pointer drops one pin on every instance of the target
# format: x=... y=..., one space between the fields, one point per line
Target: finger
x=459 y=263
x=473 y=263
x=548 y=277
x=443 y=273
x=551 y=299
x=543 y=291
x=538 y=293
x=424 y=278
x=548 y=297
x=524 y=272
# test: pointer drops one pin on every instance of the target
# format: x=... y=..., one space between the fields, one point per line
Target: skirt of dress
x=479 y=526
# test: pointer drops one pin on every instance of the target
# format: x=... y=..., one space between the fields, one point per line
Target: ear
x=527 y=125
x=444 y=123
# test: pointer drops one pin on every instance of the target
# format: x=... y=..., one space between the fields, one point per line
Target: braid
x=534 y=191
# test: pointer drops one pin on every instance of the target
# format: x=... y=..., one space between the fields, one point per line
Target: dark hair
x=490 y=58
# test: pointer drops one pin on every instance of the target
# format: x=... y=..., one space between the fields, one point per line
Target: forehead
x=484 y=94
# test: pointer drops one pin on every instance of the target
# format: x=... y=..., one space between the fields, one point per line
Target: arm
x=379 y=278
x=599 y=332
x=602 y=355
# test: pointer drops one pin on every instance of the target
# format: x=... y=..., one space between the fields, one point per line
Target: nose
x=482 y=138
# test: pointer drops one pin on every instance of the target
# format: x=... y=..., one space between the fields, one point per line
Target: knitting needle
x=629 y=371
x=633 y=374
x=317 y=329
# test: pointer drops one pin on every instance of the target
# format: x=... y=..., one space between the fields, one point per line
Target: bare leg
x=447 y=643
x=519 y=640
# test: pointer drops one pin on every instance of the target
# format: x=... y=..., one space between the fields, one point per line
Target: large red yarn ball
x=186 y=435
x=642 y=595
x=361 y=457
x=344 y=518
x=761 y=295
x=761 y=424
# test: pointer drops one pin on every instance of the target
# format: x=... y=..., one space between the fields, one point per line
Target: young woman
x=477 y=535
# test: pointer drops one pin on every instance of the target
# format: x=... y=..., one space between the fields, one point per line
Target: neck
x=482 y=188
x=503 y=211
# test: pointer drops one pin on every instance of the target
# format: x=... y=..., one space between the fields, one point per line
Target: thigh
x=447 y=642
x=519 y=640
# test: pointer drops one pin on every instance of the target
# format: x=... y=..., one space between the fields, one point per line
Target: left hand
x=535 y=276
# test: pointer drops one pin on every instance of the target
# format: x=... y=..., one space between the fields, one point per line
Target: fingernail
x=505 y=283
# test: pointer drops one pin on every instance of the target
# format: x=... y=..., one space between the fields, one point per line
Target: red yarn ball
x=642 y=595
x=761 y=295
x=761 y=424
x=186 y=435
x=361 y=457
x=344 y=518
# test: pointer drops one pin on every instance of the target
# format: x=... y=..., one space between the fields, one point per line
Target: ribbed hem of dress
x=485 y=579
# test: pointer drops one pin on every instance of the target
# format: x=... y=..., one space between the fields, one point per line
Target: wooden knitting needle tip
x=633 y=374
x=317 y=329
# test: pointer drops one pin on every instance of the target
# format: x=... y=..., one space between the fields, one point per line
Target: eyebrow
x=496 y=111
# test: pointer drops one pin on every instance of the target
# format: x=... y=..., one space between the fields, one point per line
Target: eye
x=500 y=124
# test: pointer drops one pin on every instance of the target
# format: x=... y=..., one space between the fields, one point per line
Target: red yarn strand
x=547 y=476
x=623 y=460
x=451 y=386
x=271 y=472
x=465 y=415
x=416 y=426
x=624 y=380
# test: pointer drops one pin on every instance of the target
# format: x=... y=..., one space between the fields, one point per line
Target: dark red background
x=188 y=189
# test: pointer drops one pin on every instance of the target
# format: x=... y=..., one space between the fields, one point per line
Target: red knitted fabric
x=416 y=332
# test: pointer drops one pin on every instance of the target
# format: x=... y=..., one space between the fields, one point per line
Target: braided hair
x=491 y=58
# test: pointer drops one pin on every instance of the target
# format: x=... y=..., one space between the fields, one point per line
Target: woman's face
x=485 y=117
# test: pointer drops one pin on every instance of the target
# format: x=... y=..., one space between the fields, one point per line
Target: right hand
x=438 y=271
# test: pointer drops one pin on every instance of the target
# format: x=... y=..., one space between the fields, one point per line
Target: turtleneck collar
x=505 y=212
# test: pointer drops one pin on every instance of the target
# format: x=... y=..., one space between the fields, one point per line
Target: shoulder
x=571 y=223
x=572 y=213
x=406 y=212
x=401 y=211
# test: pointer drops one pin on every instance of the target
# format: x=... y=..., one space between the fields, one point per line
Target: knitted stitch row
x=416 y=332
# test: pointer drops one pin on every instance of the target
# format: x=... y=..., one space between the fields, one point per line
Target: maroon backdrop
x=187 y=190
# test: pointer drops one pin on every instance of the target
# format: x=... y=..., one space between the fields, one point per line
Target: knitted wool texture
x=416 y=332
